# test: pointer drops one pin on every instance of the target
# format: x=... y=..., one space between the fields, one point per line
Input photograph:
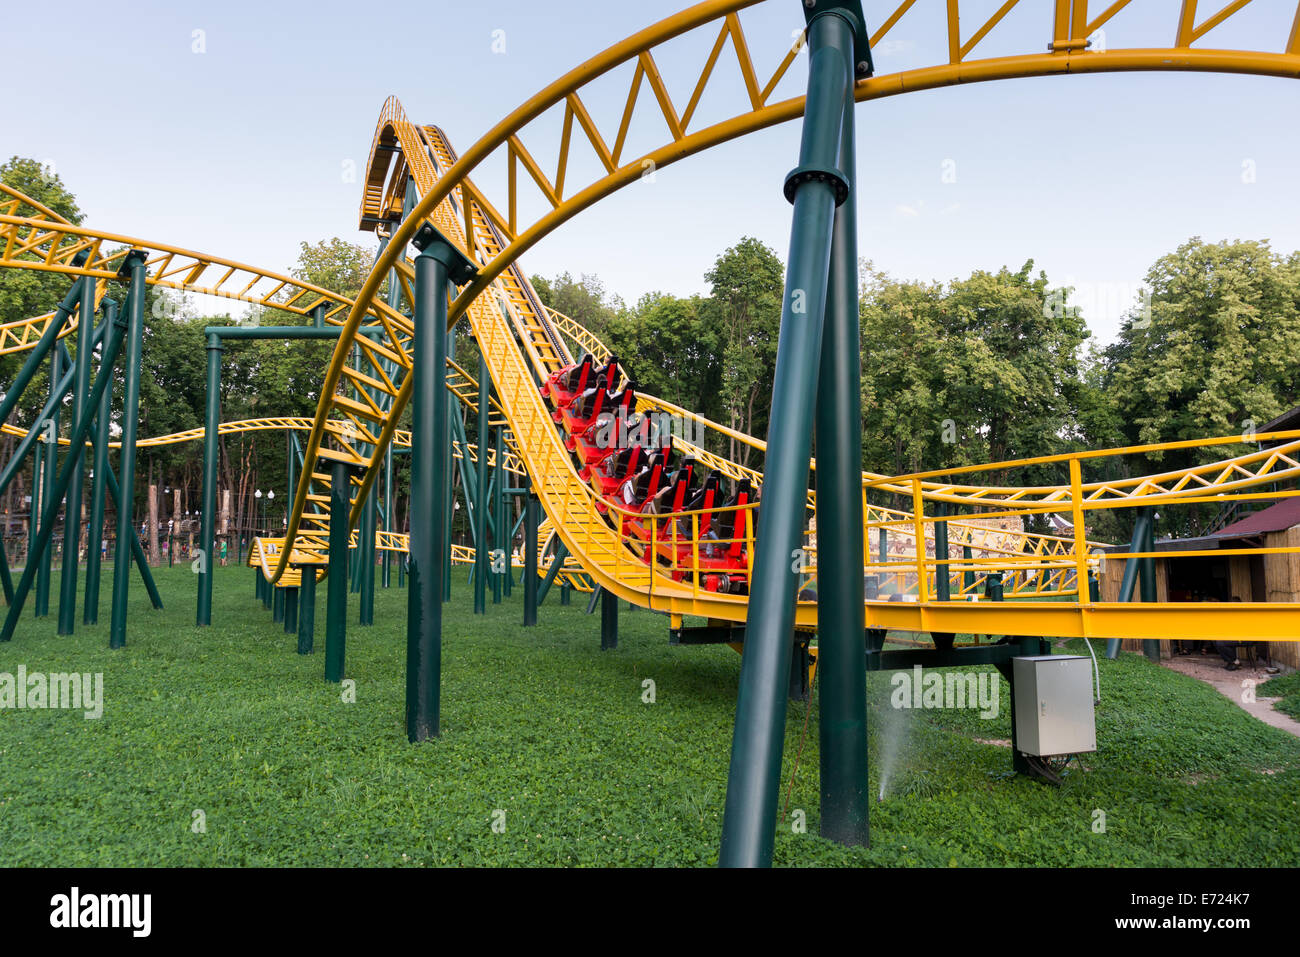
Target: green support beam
x=80 y=411
x=207 y=518
x=557 y=562
x=438 y=261
x=482 y=564
x=136 y=549
x=133 y=268
x=336 y=603
x=531 y=507
x=49 y=431
x=1150 y=646
x=841 y=643
x=500 y=536
x=1132 y=568
x=290 y=610
x=816 y=188
x=61 y=483
x=608 y=620
x=307 y=610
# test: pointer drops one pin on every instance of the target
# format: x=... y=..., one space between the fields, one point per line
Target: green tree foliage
x=584 y=299
x=747 y=281
x=982 y=369
x=1217 y=354
x=672 y=350
x=334 y=264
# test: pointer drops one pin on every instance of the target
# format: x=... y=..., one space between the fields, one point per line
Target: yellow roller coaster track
x=521 y=340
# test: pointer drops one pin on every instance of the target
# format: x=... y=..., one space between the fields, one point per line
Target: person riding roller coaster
x=583 y=412
x=574 y=380
x=620 y=456
x=614 y=431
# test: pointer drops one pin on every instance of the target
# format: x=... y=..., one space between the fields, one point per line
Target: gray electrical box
x=1053 y=700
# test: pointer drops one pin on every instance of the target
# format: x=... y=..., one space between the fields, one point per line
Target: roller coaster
x=661 y=520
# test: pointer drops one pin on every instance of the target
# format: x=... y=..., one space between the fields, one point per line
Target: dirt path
x=1229 y=683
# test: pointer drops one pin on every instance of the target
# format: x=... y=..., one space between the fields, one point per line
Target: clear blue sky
x=239 y=150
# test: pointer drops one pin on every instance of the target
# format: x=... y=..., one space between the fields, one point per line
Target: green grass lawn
x=540 y=724
x=1286 y=688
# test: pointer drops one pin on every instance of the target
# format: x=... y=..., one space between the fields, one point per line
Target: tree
x=334 y=264
x=747 y=282
x=584 y=299
x=670 y=350
x=1216 y=354
x=983 y=369
x=1213 y=356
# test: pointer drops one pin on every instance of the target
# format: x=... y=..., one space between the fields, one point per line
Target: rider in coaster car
x=565 y=384
x=645 y=483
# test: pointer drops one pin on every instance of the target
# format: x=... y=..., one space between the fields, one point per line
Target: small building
x=1225 y=578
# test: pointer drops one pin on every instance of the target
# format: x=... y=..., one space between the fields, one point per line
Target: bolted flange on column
x=850 y=10
x=460 y=268
x=827 y=172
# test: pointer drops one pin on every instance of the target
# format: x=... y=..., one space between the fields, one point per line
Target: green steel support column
x=134 y=266
x=257 y=583
x=557 y=562
x=1150 y=646
x=841 y=641
x=292 y=463
x=136 y=549
x=72 y=511
x=430 y=472
x=501 y=535
x=318 y=316
x=277 y=603
x=290 y=610
x=882 y=555
x=307 y=611
x=78 y=437
x=45 y=560
x=449 y=497
x=565 y=593
x=336 y=601
x=507 y=524
x=482 y=562
x=815 y=187
x=531 y=507
x=942 y=584
x=34 y=510
x=36 y=436
x=1132 y=566
x=207 y=518
x=386 y=578
x=608 y=621
x=6 y=579
x=968 y=576
x=366 y=556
